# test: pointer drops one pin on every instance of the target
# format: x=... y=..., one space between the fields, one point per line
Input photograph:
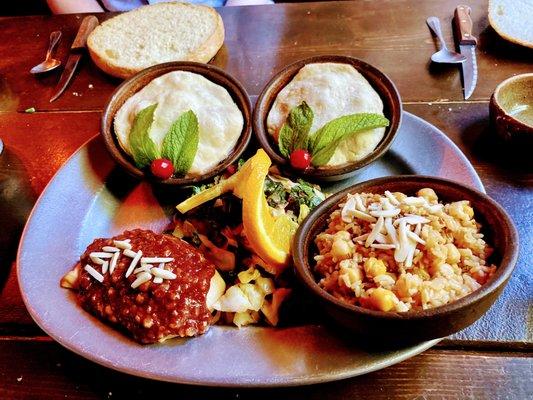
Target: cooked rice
x=399 y=253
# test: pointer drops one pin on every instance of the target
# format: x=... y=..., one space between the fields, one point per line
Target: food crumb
x=30 y=110
x=308 y=12
x=90 y=86
x=58 y=365
x=430 y=104
x=76 y=94
x=449 y=109
x=19 y=378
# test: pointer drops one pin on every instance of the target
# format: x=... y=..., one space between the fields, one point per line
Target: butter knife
x=76 y=52
x=462 y=24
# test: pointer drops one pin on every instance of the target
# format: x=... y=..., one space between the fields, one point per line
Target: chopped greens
x=283 y=193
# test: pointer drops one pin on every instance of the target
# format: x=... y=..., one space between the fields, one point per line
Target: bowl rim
x=264 y=104
x=231 y=84
x=304 y=274
x=497 y=104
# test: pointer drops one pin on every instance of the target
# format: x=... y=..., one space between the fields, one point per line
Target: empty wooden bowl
x=392 y=109
x=138 y=81
x=394 y=328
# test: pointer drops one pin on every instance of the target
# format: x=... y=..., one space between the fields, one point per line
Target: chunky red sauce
x=151 y=312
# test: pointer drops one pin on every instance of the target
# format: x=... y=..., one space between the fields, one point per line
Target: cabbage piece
x=245 y=318
x=223 y=259
x=251 y=274
x=271 y=309
x=234 y=300
x=256 y=260
x=183 y=229
x=254 y=294
x=266 y=285
x=217 y=287
x=304 y=212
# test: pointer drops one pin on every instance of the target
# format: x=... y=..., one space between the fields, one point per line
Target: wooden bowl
x=138 y=81
x=511 y=110
x=392 y=109
x=412 y=326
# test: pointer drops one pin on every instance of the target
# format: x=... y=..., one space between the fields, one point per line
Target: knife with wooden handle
x=76 y=52
x=462 y=24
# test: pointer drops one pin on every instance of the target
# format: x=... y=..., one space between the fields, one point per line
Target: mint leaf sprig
x=294 y=133
x=180 y=144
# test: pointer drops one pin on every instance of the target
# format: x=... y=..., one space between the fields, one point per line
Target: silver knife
x=467 y=47
x=76 y=52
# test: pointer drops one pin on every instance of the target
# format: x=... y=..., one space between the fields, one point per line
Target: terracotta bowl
x=511 y=109
x=412 y=326
x=138 y=81
x=392 y=109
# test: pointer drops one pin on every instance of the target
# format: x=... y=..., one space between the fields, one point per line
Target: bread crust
x=495 y=25
x=203 y=53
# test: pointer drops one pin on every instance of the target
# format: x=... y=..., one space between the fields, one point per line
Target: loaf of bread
x=513 y=20
x=154 y=34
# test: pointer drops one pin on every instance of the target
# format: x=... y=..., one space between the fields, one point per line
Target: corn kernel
x=374 y=267
x=383 y=299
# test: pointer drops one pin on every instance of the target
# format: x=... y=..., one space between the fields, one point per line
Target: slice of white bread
x=513 y=20
x=154 y=34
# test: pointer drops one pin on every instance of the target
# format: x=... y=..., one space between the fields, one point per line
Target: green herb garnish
x=30 y=110
x=294 y=133
x=143 y=148
x=181 y=142
x=291 y=196
x=323 y=143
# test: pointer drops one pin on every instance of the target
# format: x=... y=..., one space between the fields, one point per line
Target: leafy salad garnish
x=180 y=144
x=295 y=132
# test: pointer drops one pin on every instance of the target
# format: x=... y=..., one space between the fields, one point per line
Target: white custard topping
x=219 y=118
x=332 y=90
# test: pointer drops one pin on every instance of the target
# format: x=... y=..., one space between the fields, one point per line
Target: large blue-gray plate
x=91 y=197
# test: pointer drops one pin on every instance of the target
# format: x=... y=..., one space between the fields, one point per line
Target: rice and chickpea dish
x=395 y=252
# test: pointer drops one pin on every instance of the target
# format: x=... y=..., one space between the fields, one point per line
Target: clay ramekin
x=392 y=109
x=413 y=326
x=138 y=81
x=511 y=98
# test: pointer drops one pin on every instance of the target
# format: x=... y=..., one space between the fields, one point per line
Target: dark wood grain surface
x=259 y=41
x=42 y=369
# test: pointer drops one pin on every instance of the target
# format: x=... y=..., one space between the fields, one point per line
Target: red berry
x=300 y=159
x=162 y=168
x=230 y=170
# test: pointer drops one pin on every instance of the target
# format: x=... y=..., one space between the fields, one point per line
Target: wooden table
x=490 y=360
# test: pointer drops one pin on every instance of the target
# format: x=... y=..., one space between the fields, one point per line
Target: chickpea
x=340 y=249
x=428 y=194
x=374 y=267
x=343 y=235
x=383 y=299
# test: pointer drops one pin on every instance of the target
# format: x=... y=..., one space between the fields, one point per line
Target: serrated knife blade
x=76 y=52
x=466 y=44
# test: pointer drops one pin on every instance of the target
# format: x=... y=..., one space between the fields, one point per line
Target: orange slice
x=268 y=235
